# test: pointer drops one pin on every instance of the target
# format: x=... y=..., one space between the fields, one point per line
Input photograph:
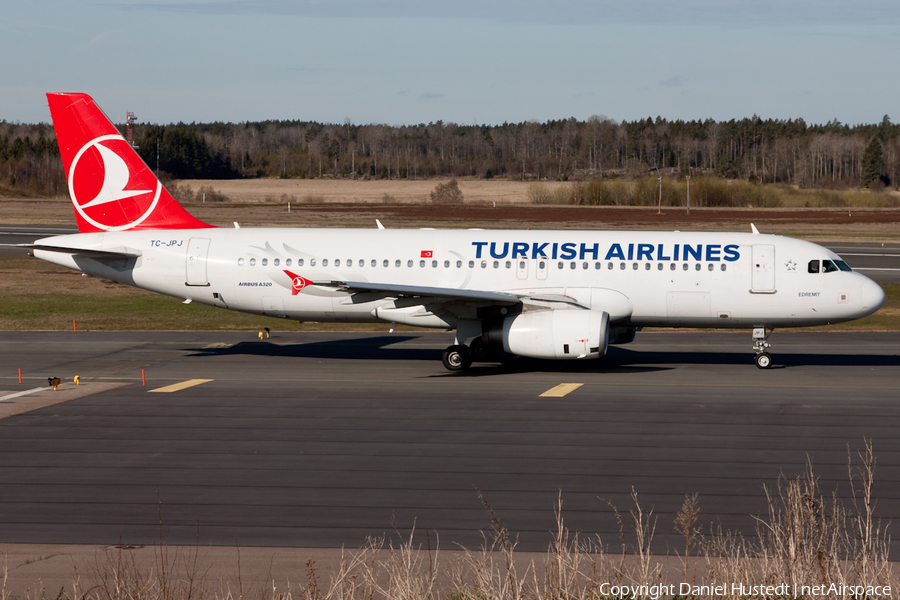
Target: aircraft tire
x=480 y=350
x=457 y=358
x=763 y=360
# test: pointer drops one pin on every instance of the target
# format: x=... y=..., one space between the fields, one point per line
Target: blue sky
x=415 y=61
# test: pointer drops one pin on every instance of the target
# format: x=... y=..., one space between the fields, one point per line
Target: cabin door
x=763 y=272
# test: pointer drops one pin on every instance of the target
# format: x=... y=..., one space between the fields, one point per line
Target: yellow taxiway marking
x=180 y=386
x=561 y=390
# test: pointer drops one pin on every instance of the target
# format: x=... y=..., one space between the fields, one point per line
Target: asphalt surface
x=880 y=262
x=322 y=439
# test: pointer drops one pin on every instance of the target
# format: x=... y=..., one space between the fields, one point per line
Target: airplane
x=561 y=295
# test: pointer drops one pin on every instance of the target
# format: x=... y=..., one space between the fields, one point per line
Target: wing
x=429 y=294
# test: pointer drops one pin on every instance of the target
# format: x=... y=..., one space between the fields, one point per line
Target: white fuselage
x=639 y=278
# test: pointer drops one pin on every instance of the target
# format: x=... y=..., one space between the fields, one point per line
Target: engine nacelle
x=557 y=334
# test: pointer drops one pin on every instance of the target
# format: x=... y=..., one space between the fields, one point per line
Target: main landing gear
x=460 y=357
x=457 y=358
x=763 y=359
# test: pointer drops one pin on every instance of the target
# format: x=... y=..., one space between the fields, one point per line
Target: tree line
x=752 y=149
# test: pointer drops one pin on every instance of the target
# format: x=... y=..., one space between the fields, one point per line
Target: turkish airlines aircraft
x=540 y=294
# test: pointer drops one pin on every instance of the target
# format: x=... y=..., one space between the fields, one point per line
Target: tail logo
x=102 y=179
x=297 y=282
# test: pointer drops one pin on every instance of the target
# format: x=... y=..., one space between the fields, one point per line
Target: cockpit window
x=842 y=265
x=829 y=267
x=813 y=266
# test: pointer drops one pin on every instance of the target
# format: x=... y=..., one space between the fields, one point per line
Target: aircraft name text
x=582 y=251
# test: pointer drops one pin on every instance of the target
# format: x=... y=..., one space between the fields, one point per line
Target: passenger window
x=484 y=264
x=634 y=267
x=471 y=264
x=496 y=264
x=684 y=267
x=240 y=262
x=434 y=264
x=560 y=266
x=723 y=266
x=521 y=264
x=421 y=263
x=597 y=266
x=584 y=265
x=409 y=263
x=362 y=262
x=300 y=262
x=828 y=266
x=287 y=262
x=508 y=264
x=447 y=264
x=609 y=266
x=312 y=262
x=813 y=266
x=276 y=262
x=397 y=263
x=842 y=265
x=337 y=262
x=712 y=266
x=672 y=267
x=542 y=265
x=458 y=264
x=659 y=267
x=571 y=265
x=374 y=263
x=621 y=266
x=646 y=266
x=265 y=262
x=697 y=267
x=324 y=262
x=252 y=262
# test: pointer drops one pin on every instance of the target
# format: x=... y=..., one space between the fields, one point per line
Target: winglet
x=754 y=229
x=380 y=226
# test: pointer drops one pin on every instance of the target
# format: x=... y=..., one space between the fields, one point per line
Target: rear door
x=195 y=261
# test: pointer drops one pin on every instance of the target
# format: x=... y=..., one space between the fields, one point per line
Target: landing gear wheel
x=763 y=360
x=480 y=350
x=457 y=358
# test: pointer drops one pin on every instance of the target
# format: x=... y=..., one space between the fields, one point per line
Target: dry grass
x=806 y=537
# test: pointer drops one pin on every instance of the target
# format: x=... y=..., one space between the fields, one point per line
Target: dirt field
x=340 y=203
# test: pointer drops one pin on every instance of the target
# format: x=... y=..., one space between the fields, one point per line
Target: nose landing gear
x=763 y=359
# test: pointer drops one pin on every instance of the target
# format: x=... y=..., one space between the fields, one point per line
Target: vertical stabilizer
x=111 y=188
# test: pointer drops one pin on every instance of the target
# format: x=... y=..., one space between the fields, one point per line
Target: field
x=39 y=296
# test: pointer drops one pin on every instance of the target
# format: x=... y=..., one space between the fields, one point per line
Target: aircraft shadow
x=618 y=359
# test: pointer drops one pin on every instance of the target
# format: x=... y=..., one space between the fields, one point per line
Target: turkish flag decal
x=427 y=253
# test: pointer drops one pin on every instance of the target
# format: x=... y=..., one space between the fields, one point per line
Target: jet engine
x=555 y=334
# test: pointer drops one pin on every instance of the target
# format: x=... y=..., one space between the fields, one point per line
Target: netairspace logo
x=655 y=592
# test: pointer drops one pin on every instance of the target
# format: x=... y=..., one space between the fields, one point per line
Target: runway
x=322 y=439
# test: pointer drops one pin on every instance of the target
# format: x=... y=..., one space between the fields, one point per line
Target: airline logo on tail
x=99 y=175
x=111 y=187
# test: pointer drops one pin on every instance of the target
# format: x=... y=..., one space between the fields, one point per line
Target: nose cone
x=872 y=296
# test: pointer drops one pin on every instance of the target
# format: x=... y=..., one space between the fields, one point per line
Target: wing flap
x=427 y=292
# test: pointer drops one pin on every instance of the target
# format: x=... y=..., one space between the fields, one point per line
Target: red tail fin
x=111 y=188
